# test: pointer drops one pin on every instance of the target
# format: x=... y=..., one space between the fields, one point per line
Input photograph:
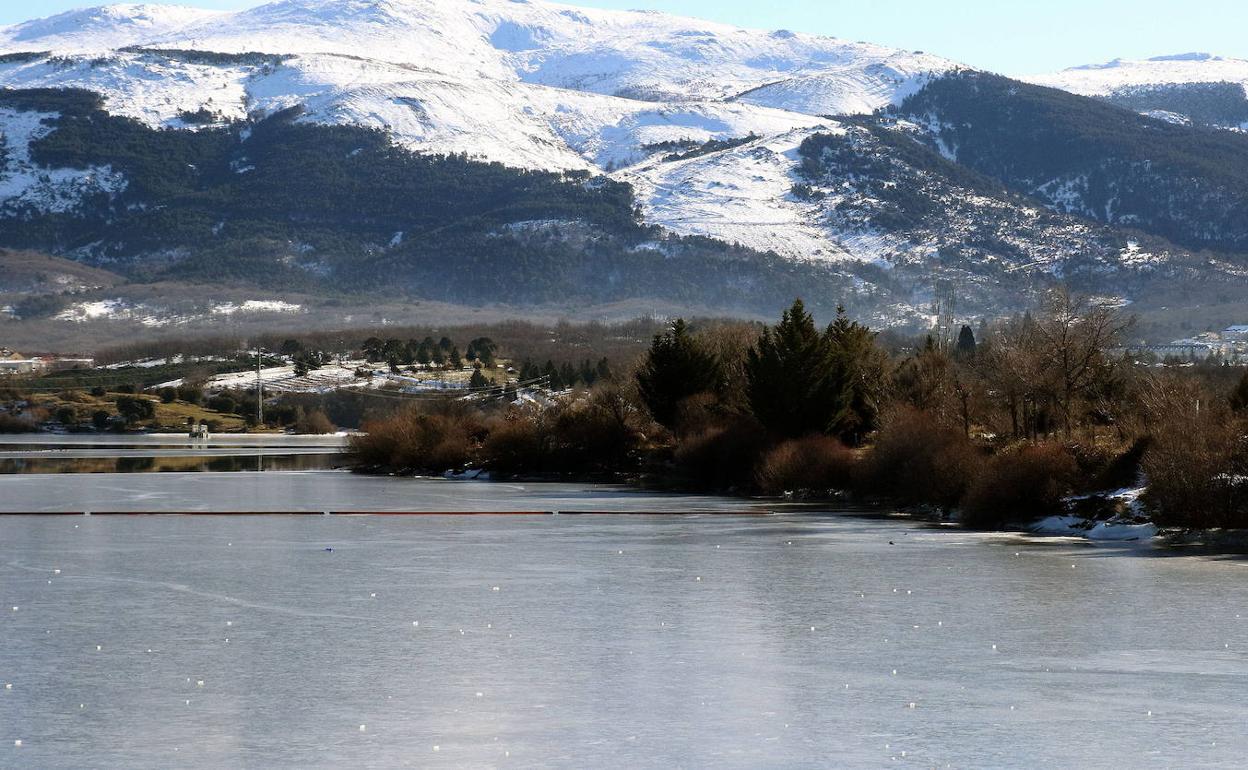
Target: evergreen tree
x=603 y=369
x=553 y=380
x=799 y=381
x=855 y=373
x=372 y=349
x=788 y=382
x=676 y=368
x=966 y=342
x=457 y=362
x=478 y=380
x=423 y=354
x=485 y=349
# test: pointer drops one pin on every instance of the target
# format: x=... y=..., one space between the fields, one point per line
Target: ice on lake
x=603 y=649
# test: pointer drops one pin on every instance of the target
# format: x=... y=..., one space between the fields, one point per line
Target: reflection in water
x=148 y=463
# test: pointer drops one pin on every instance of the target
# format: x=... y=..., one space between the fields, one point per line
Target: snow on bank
x=1077 y=526
x=1129 y=525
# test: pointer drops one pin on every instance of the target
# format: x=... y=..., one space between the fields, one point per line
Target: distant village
x=1230 y=345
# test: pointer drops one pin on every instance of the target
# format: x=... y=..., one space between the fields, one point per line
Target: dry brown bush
x=722 y=456
x=1197 y=472
x=917 y=459
x=414 y=438
x=1023 y=483
x=811 y=463
x=313 y=421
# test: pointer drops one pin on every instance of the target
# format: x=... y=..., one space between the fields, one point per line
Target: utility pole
x=259 y=392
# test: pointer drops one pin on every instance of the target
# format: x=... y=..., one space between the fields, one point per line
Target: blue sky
x=1010 y=36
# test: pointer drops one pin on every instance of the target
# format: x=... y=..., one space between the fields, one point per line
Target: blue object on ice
x=331 y=550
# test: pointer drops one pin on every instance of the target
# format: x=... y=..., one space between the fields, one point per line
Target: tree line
x=1035 y=415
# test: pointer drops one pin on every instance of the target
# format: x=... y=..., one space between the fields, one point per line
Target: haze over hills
x=529 y=154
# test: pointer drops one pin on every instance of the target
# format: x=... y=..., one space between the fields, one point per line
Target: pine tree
x=478 y=380
x=787 y=380
x=856 y=374
x=423 y=354
x=966 y=342
x=457 y=362
x=676 y=368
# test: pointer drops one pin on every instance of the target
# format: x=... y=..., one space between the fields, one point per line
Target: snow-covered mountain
x=529 y=84
x=1119 y=74
x=1184 y=88
x=711 y=126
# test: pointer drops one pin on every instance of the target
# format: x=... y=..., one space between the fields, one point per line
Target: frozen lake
x=787 y=640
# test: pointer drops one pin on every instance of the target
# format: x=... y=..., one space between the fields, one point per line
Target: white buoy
x=437 y=747
x=415 y=623
x=363 y=728
x=56 y=572
x=199 y=683
x=18 y=742
x=480 y=695
x=99 y=647
x=8 y=685
x=372 y=596
x=495 y=588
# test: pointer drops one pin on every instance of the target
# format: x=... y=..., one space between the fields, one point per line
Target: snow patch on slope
x=741 y=195
x=23 y=184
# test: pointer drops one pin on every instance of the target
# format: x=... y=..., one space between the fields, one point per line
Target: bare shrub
x=1197 y=473
x=1024 y=483
x=722 y=456
x=917 y=459
x=11 y=423
x=811 y=463
x=514 y=443
x=414 y=438
x=313 y=421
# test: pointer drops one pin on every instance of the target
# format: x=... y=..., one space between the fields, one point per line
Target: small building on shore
x=12 y=362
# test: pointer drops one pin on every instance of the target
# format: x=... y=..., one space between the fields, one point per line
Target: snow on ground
x=1119 y=74
x=24 y=184
x=1076 y=526
x=256 y=306
x=860 y=85
x=1129 y=525
x=741 y=195
x=102 y=28
x=153 y=315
